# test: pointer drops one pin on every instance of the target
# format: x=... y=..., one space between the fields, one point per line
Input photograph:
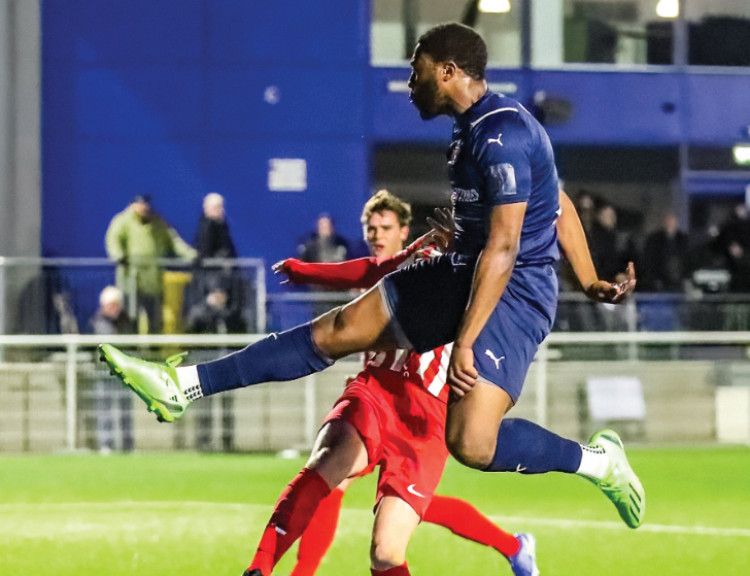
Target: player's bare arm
x=493 y=271
x=572 y=239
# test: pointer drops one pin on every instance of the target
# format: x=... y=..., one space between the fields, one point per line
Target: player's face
x=423 y=87
x=384 y=234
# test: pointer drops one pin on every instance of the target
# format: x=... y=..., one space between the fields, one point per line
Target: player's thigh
x=338 y=453
x=395 y=522
x=473 y=422
x=362 y=324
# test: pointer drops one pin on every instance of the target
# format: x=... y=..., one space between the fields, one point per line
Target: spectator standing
x=734 y=240
x=111 y=318
x=213 y=239
x=605 y=247
x=136 y=238
x=325 y=245
x=664 y=257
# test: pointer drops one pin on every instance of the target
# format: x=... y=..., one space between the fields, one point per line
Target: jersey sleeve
x=503 y=151
x=351 y=274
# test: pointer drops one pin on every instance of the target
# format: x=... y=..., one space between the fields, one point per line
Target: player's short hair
x=454 y=42
x=383 y=201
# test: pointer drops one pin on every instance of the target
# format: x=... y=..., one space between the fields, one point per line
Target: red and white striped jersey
x=426 y=370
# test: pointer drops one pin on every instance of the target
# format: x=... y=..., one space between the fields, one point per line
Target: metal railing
x=48 y=385
x=59 y=295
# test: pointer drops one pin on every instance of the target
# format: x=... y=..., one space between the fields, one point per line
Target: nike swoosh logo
x=520 y=468
x=410 y=488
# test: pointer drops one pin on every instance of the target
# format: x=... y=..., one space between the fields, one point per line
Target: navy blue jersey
x=500 y=154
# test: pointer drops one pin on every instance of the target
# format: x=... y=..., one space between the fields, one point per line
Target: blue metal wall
x=170 y=97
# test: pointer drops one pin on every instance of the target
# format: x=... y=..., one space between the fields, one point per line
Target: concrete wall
x=679 y=396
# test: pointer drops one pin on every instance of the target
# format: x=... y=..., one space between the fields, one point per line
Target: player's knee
x=471 y=452
x=386 y=552
x=328 y=329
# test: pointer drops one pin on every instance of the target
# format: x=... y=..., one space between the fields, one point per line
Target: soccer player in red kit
x=391 y=415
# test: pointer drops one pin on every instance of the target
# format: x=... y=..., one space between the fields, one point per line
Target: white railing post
x=71 y=396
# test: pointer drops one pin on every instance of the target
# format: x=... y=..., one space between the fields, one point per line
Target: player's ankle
x=594 y=462
x=189 y=382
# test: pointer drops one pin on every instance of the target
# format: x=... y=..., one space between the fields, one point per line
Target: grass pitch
x=193 y=514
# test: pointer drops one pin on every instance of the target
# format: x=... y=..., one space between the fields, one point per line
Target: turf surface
x=193 y=514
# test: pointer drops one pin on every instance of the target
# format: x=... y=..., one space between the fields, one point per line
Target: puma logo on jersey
x=494 y=358
x=496 y=140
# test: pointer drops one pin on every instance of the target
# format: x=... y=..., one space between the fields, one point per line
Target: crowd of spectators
x=668 y=258
x=670 y=261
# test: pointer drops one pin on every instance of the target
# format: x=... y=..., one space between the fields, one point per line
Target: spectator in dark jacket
x=664 y=257
x=214 y=239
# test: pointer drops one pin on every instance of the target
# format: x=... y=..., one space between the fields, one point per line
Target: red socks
x=318 y=536
x=395 y=571
x=291 y=515
x=464 y=520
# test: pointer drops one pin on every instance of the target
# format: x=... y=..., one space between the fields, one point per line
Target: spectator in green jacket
x=136 y=238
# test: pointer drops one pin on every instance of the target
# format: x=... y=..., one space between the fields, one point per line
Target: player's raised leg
x=617 y=480
x=167 y=390
x=522 y=446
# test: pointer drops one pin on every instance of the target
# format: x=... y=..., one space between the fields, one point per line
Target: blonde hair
x=383 y=201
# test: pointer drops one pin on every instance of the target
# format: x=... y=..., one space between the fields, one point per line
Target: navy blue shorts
x=427 y=301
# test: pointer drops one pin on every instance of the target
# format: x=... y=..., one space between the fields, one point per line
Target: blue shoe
x=523 y=562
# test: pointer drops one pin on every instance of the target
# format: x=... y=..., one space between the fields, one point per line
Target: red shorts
x=403 y=428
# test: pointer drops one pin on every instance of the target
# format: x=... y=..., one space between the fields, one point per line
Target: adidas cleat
x=620 y=485
x=155 y=383
x=523 y=562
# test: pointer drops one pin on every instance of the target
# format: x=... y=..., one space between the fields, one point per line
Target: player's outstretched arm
x=573 y=243
x=347 y=275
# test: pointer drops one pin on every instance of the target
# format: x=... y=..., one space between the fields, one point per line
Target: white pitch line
x=599 y=525
x=150 y=507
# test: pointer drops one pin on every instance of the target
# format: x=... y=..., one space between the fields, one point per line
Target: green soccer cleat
x=155 y=383
x=621 y=485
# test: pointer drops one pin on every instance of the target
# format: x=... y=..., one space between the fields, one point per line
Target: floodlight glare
x=668 y=8
x=494 y=6
x=741 y=153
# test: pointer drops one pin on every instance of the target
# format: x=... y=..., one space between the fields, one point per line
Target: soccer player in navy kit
x=494 y=294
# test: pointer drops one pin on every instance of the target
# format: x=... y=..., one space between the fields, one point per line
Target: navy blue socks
x=287 y=355
x=525 y=447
